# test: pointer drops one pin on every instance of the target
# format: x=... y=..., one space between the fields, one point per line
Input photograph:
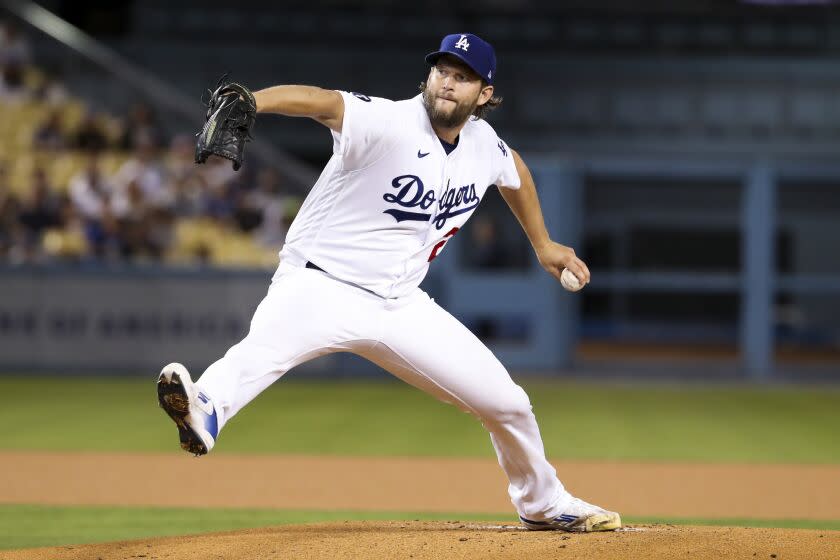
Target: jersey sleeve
x=365 y=131
x=506 y=173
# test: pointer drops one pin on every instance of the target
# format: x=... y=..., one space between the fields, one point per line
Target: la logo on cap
x=462 y=43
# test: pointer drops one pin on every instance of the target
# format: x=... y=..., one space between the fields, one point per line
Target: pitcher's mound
x=463 y=539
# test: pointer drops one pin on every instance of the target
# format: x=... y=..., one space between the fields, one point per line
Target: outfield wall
x=63 y=319
x=110 y=319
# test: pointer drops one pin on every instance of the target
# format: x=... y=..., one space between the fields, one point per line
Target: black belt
x=314 y=266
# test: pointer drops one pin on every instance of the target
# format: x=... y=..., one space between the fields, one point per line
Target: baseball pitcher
x=403 y=179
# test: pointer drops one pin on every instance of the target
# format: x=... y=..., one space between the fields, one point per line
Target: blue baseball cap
x=476 y=53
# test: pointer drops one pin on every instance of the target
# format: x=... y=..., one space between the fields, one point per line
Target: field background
x=686 y=150
x=793 y=427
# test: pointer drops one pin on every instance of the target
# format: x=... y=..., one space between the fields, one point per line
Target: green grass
x=647 y=423
x=24 y=526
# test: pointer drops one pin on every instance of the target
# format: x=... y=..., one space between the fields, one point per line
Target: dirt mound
x=463 y=539
x=420 y=484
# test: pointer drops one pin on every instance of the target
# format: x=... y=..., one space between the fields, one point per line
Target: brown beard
x=456 y=118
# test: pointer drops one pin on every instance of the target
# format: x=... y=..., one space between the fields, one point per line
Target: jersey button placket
x=444 y=182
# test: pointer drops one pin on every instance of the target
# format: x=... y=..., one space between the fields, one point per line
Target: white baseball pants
x=308 y=313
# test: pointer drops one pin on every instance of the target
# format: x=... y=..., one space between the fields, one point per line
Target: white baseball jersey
x=390 y=196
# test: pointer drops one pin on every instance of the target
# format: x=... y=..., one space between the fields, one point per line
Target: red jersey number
x=437 y=248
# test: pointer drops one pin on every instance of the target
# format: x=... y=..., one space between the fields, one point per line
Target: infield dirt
x=462 y=539
x=425 y=484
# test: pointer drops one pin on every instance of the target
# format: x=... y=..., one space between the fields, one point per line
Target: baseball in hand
x=570 y=281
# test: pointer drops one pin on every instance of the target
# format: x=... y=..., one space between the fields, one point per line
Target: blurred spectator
x=103 y=235
x=268 y=186
x=132 y=213
x=159 y=233
x=9 y=208
x=486 y=249
x=12 y=87
x=252 y=205
x=188 y=181
x=145 y=171
x=50 y=134
x=89 y=135
x=14 y=56
x=67 y=241
x=51 y=91
x=132 y=205
x=24 y=221
x=247 y=214
x=145 y=230
x=180 y=161
x=277 y=219
x=220 y=197
x=40 y=208
x=218 y=171
x=220 y=201
x=89 y=191
x=14 y=48
x=140 y=128
x=4 y=179
x=268 y=195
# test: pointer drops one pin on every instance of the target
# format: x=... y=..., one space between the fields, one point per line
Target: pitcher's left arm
x=525 y=205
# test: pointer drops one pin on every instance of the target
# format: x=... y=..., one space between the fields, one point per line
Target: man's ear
x=485 y=95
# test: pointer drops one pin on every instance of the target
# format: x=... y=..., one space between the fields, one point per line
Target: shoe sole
x=172 y=398
x=597 y=522
x=602 y=522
